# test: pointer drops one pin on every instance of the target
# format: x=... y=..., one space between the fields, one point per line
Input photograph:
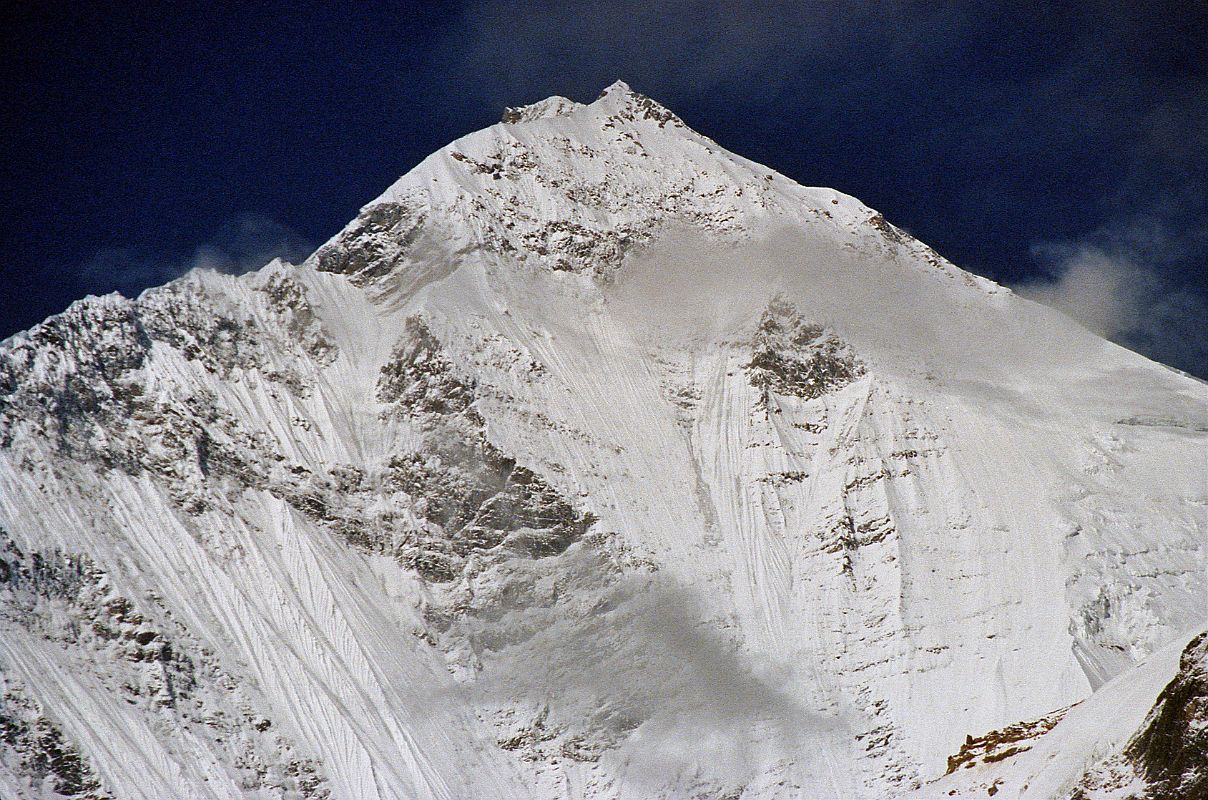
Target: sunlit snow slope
x=589 y=461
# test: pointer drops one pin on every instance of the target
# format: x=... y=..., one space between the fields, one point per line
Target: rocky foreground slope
x=594 y=461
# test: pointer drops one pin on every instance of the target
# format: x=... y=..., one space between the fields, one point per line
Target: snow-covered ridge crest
x=572 y=187
x=617 y=101
x=621 y=102
x=555 y=106
x=577 y=188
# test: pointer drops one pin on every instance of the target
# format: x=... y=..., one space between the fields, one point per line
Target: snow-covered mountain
x=593 y=461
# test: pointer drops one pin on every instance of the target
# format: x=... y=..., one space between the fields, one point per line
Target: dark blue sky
x=1059 y=146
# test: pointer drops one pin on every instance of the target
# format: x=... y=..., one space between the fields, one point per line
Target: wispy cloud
x=1139 y=279
x=246 y=244
x=752 y=48
x=1118 y=284
x=636 y=665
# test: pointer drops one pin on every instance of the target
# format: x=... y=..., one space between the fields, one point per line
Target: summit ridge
x=577 y=188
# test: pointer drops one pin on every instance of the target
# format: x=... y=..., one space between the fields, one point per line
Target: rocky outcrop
x=381 y=238
x=34 y=747
x=1171 y=750
x=1002 y=744
x=474 y=497
x=143 y=656
x=792 y=357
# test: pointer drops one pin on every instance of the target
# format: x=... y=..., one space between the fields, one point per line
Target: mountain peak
x=621 y=101
x=592 y=454
x=555 y=106
x=606 y=176
x=616 y=87
x=617 y=102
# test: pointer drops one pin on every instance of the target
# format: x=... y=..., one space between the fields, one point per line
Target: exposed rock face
x=792 y=357
x=33 y=746
x=143 y=656
x=380 y=239
x=1171 y=750
x=1002 y=744
x=475 y=497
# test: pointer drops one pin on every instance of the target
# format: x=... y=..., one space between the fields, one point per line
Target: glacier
x=591 y=461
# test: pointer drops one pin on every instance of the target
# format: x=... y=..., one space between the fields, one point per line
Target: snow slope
x=589 y=461
x=1083 y=750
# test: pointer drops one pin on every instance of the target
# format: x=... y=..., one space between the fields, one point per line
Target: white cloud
x=1103 y=292
x=1115 y=288
x=246 y=244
